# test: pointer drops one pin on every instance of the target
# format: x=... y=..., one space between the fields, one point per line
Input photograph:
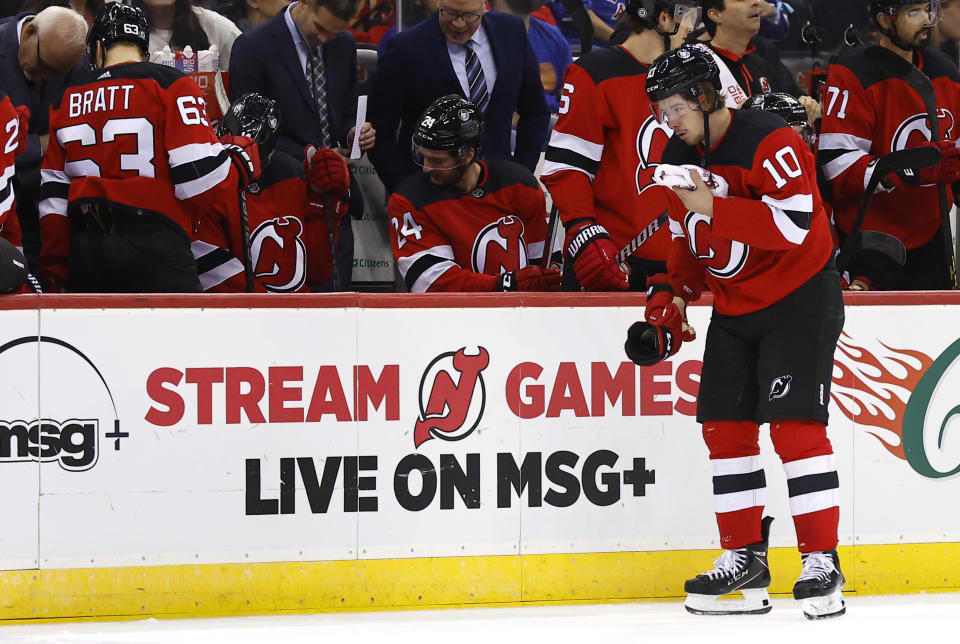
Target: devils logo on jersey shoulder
x=652 y=139
x=914 y=130
x=279 y=254
x=723 y=258
x=499 y=247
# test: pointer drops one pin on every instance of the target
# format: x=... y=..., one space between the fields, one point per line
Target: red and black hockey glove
x=245 y=156
x=594 y=257
x=947 y=171
x=326 y=172
x=648 y=344
x=666 y=309
x=23 y=123
x=531 y=278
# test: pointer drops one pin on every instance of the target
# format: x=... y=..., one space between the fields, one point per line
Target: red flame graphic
x=873 y=396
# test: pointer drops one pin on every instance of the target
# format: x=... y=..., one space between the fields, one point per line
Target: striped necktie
x=316 y=81
x=475 y=80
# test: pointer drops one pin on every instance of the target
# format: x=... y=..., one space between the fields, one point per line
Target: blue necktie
x=476 y=80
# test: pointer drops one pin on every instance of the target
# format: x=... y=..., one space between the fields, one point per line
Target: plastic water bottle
x=186 y=60
x=166 y=57
x=214 y=58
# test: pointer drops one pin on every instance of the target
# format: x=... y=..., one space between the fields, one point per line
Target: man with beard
x=869 y=111
x=464 y=224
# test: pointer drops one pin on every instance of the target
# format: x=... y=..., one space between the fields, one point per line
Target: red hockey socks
x=739 y=484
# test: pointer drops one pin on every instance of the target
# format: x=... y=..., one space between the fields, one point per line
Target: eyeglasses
x=469 y=17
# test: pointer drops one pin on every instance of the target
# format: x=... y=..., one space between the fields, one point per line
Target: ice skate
x=742 y=569
x=818 y=588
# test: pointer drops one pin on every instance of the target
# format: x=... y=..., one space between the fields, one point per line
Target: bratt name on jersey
x=101 y=99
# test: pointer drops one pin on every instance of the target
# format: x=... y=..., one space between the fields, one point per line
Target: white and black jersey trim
x=569 y=152
x=792 y=216
x=54 y=192
x=215 y=265
x=197 y=167
x=6 y=189
x=421 y=270
x=839 y=152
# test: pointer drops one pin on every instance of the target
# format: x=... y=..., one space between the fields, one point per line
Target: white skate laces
x=816 y=565
x=728 y=564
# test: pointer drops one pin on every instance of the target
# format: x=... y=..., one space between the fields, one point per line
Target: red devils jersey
x=136 y=136
x=869 y=110
x=450 y=241
x=289 y=239
x=10 y=122
x=605 y=147
x=770 y=235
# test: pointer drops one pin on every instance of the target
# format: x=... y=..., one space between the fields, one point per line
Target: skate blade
x=755 y=601
x=825 y=607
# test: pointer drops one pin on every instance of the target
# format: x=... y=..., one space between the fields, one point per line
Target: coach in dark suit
x=40 y=55
x=435 y=58
x=304 y=59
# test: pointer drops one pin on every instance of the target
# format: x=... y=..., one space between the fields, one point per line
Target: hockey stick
x=641 y=238
x=245 y=240
x=919 y=82
x=860 y=240
x=333 y=243
x=551 y=233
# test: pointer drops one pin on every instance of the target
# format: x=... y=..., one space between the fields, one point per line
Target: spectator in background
x=305 y=59
x=40 y=55
x=373 y=21
x=550 y=47
x=247 y=14
x=775 y=19
x=418 y=11
x=948 y=31
x=456 y=52
x=87 y=8
x=179 y=23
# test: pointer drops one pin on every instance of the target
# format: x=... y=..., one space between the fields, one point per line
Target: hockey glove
x=666 y=309
x=245 y=156
x=947 y=171
x=326 y=172
x=531 y=278
x=648 y=344
x=23 y=121
x=594 y=257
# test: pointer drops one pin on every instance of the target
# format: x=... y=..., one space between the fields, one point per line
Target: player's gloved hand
x=23 y=122
x=326 y=171
x=648 y=344
x=531 y=278
x=666 y=309
x=947 y=171
x=594 y=257
x=245 y=156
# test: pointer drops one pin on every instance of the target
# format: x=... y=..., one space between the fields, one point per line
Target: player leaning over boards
x=765 y=252
x=131 y=164
x=873 y=105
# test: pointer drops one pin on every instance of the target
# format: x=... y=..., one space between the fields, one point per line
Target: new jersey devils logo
x=915 y=130
x=652 y=139
x=452 y=396
x=723 y=258
x=500 y=248
x=279 y=255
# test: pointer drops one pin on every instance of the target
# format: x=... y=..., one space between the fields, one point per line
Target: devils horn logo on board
x=452 y=396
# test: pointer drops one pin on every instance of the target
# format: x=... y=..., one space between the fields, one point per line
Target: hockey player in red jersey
x=286 y=212
x=604 y=148
x=131 y=165
x=14 y=121
x=464 y=224
x=766 y=254
x=874 y=104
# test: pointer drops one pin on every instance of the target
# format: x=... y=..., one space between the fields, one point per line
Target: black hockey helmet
x=780 y=103
x=116 y=22
x=450 y=124
x=891 y=7
x=683 y=71
x=255 y=116
x=647 y=10
x=13 y=267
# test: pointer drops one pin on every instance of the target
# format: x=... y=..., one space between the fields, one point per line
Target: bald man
x=40 y=54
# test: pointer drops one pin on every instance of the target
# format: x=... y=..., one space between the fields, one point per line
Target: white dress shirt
x=481 y=46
